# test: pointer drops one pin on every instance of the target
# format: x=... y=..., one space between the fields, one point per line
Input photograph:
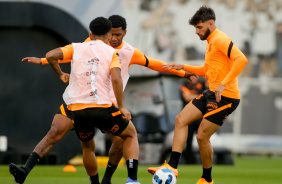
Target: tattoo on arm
x=52 y=58
x=57 y=56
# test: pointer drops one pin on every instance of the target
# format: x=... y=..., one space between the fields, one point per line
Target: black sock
x=109 y=172
x=132 y=166
x=207 y=174
x=32 y=160
x=94 y=179
x=174 y=159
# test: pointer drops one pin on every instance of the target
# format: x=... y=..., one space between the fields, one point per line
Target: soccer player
x=223 y=63
x=62 y=122
x=95 y=65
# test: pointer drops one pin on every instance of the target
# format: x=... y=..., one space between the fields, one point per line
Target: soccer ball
x=164 y=176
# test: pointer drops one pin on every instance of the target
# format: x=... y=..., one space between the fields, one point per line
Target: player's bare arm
x=218 y=92
x=52 y=57
x=33 y=60
x=118 y=89
x=179 y=67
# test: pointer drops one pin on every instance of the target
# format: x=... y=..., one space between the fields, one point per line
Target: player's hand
x=65 y=77
x=174 y=66
x=33 y=60
x=218 y=92
x=188 y=75
x=125 y=113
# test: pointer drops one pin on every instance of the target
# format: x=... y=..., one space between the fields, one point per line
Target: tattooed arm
x=52 y=57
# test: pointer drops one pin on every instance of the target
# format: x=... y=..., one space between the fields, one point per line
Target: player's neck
x=102 y=38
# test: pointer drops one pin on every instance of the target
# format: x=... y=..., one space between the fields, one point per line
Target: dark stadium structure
x=31 y=94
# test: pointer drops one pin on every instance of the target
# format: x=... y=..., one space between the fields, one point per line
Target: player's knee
x=179 y=121
x=130 y=132
x=201 y=138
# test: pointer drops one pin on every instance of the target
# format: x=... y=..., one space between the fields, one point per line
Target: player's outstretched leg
x=19 y=173
x=60 y=126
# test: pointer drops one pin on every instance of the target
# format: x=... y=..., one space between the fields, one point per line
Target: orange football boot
x=152 y=170
x=203 y=181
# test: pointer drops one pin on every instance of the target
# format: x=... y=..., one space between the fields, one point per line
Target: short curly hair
x=203 y=14
x=100 y=26
x=118 y=21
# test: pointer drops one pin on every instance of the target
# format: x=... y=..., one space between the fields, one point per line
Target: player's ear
x=211 y=23
x=124 y=32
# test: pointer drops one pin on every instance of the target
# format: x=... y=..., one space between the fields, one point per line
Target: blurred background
x=31 y=94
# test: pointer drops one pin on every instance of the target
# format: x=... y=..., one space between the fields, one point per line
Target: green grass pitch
x=246 y=170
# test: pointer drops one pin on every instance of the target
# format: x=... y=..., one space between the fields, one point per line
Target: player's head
x=118 y=30
x=203 y=20
x=100 y=27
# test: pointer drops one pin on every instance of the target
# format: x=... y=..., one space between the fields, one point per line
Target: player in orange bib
x=62 y=122
x=223 y=63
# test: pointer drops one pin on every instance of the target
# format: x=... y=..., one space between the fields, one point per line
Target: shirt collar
x=212 y=34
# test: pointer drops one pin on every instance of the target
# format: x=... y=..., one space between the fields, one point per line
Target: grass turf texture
x=246 y=170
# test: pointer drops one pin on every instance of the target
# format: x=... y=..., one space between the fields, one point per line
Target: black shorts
x=213 y=111
x=106 y=119
x=65 y=111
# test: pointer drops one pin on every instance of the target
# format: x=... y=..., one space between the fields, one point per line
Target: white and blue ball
x=164 y=176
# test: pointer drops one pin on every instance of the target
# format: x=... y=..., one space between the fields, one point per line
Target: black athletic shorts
x=65 y=111
x=213 y=111
x=106 y=119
